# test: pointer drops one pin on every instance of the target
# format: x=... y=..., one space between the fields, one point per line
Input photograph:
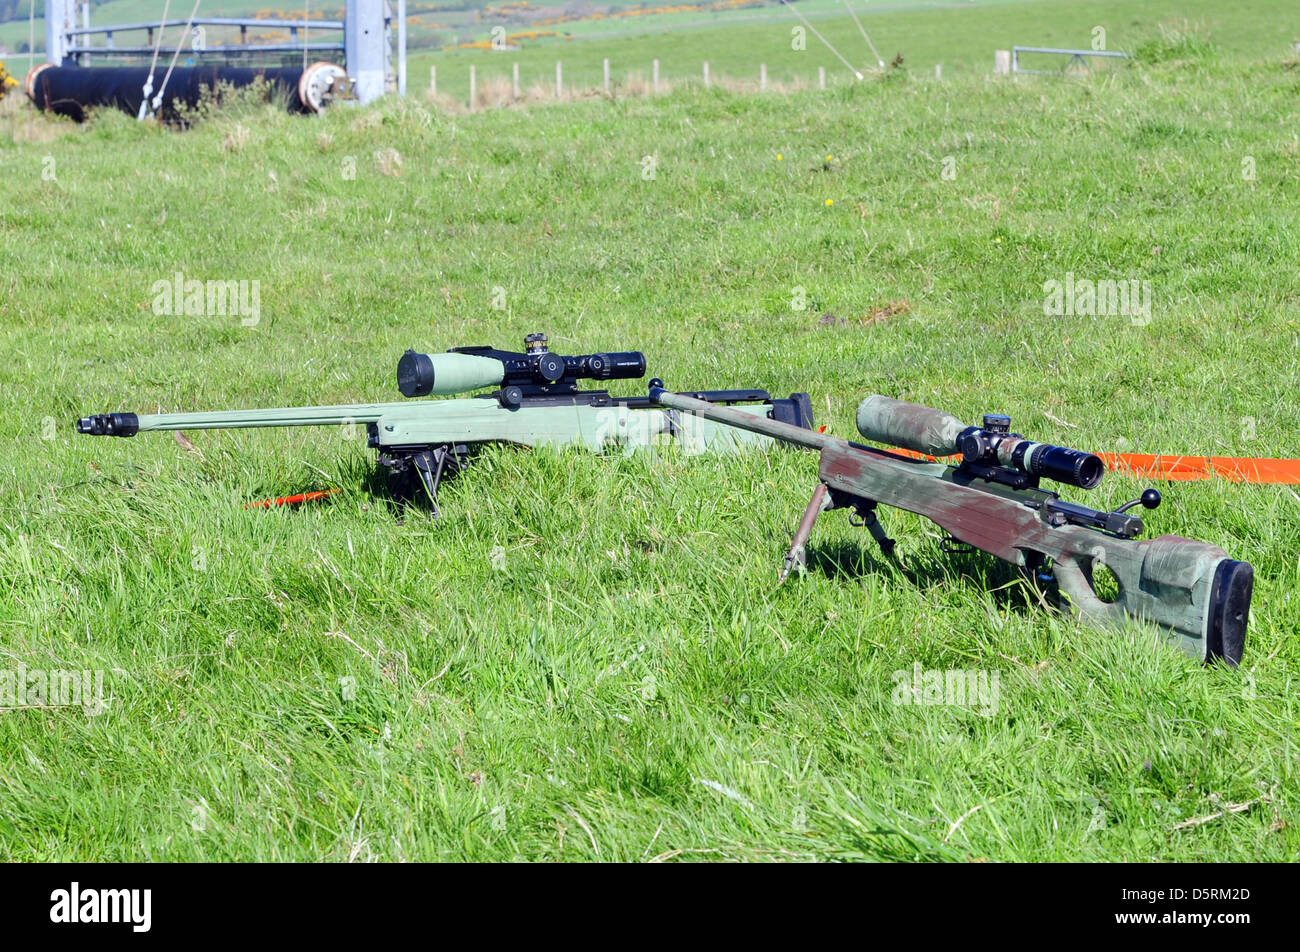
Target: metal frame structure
x=77 y=52
x=367 y=44
x=1076 y=56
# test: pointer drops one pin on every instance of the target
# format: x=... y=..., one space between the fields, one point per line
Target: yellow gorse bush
x=7 y=81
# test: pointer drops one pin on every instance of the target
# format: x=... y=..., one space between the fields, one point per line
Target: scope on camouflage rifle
x=990 y=451
x=1192 y=591
x=535 y=372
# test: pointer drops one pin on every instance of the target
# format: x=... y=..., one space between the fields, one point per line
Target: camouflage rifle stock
x=1191 y=591
x=537 y=403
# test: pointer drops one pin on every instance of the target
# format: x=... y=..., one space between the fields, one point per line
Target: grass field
x=960 y=37
x=433 y=24
x=587 y=657
x=446 y=24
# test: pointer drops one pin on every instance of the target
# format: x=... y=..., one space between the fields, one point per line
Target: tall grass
x=587 y=657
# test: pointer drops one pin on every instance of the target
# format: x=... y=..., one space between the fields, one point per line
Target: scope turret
x=537 y=371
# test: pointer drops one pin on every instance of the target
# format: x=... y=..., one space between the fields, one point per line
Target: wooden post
x=706 y=72
x=654 y=74
x=762 y=76
x=607 y=76
x=821 y=77
x=1002 y=62
x=473 y=88
x=433 y=82
x=559 y=80
x=514 y=80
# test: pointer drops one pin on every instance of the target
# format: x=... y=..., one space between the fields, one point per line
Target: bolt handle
x=1149 y=499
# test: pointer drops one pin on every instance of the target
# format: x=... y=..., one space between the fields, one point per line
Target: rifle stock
x=1192 y=591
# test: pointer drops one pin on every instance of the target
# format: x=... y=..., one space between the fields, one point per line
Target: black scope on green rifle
x=534 y=372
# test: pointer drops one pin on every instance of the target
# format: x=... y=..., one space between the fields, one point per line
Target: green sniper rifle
x=537 y=403
x=991 y=501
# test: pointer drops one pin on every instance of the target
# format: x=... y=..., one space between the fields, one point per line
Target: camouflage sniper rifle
x=991 y=501
x=538 y=403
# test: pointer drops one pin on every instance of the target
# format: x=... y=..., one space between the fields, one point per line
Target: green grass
x=631 y=685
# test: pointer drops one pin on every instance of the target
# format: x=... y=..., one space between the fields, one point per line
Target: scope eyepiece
x=994 y=446
x=625 y=365
x=1072 y=467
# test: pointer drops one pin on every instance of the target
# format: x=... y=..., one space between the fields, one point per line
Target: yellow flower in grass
x=6 y=81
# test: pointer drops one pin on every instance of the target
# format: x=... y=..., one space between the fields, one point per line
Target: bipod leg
x=866 y=512
x=798 y=554
x=430 y=464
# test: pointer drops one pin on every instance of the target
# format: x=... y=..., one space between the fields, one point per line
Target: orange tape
x=1233 y=468
x=1237 y=469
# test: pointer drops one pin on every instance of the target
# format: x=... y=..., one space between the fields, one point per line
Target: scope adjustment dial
x=550 y=367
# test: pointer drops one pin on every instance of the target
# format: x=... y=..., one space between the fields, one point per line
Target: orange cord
x=291 y=500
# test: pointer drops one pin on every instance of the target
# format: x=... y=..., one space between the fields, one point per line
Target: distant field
x=961 y=37
x=588 y=658
x=447 y=27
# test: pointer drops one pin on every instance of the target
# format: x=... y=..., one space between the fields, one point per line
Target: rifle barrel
x=128 y=424
x=786 y=432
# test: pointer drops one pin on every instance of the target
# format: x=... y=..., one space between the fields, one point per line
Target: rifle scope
x=935 y=433
x=536 y=371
